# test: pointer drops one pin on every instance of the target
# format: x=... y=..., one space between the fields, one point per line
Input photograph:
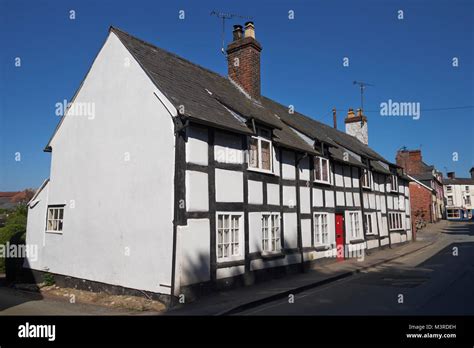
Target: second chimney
x=243 y=59
x=451 y=175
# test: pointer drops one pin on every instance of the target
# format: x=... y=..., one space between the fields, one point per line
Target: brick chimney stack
x=410 y=160
x=472 y=172
x=243 y=59
x=356 y=125
x=451 y=175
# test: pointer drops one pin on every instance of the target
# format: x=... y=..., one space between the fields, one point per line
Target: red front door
x=340 y=236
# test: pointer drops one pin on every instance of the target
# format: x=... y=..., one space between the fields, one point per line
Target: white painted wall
x=288 y=165
x=35 y=227
x=329 y=197
x=317 y=197
x=197 y=145
x=228 y=148
x=115 y=173
x=289 y=196
x=304 y=169
x=255 y=194
x=193 y=252
x=306 y=232
x=273 y=194
x=290 y=230
x=197 y=191
x=305 y=200
x=229 y=186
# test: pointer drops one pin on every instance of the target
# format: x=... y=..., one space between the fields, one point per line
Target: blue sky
x=407 y=60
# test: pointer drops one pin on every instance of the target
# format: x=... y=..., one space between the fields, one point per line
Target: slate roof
x=458 y=181
x=207 y=96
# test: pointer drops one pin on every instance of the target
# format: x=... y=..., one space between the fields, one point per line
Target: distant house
x=185 y=179
x=433 y=208
x=459 y=193
x=9 y=200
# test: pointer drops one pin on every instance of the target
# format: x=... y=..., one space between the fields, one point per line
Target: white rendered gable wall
x=115 y=173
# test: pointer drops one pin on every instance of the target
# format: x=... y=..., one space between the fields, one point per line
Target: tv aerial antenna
x=362 y=86
x=224 y=16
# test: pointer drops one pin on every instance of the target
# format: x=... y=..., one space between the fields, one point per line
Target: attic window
x=366 y=178
x=321 y=170
x=260 y=151
x=393 y=183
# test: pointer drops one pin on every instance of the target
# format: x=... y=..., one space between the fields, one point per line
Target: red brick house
x=426 y=190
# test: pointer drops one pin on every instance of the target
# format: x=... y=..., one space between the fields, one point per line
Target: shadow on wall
x=198 y=268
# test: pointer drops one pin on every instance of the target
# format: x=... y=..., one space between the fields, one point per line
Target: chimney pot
x=452 y=175
x=249 y=30
x=237 y=32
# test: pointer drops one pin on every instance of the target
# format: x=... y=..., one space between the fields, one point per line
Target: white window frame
x=393 y=183
x=366 y=174
x=272 y=223
x=395 y=221
x=55 y=223
x=369 y=217
x=467 y=188
x=449 y=189
x=448 y=199
x=261 y=139
x=321 y=229
x=467 y=200
x=233 y=255
x=318 y=161
x=354 y=225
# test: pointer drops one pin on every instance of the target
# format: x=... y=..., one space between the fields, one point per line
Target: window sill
x=229 y=259
x=356 y=241
x=322 y=247
x=269 y=255
x=54 y=232
x=263 y=171
x=322 y=182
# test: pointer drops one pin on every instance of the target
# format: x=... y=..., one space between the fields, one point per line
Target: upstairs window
x=449 y=189
x=450 y=200
x=321 y=170
x=54 y=219
x=467 y=188
x=366 y=179
x=260 y=151
x=467 y=199
x=394 y=183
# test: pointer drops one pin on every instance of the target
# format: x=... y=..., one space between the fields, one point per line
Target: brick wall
x=421 y=199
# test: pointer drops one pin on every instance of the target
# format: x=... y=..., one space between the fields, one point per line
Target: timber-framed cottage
x=184 y=179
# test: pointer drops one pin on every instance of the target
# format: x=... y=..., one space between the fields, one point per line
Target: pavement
x=430 y=241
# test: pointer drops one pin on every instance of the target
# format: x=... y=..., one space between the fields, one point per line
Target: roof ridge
x=115 y=29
